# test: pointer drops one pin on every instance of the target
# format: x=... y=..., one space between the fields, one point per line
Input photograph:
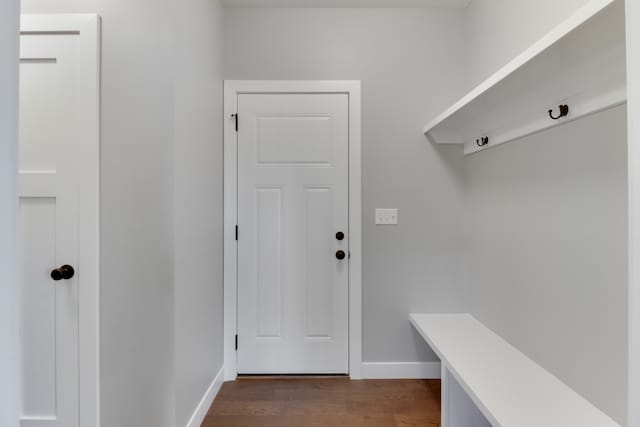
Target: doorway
x=292 y=228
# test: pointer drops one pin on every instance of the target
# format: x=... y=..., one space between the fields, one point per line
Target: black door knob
x=340 y=235
x=65 y=272
x=340 y=255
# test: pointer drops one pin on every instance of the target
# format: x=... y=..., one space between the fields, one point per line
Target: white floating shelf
x=581 y=63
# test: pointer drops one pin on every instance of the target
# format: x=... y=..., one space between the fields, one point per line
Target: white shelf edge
x=449 y=137
x=574 y=21
x=579 y=109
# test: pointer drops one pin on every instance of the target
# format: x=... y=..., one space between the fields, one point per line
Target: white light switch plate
x=386 y=216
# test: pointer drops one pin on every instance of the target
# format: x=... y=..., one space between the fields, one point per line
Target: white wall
x=137 y=289
x=633 y=81
x=546 y=251
x=158 y=67
x=9 y=302
x=547 y=224
x=198 y=202
x=410 y=64
x=497 y=30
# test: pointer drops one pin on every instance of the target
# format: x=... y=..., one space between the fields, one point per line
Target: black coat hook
x=482 y=141
x=564 y=111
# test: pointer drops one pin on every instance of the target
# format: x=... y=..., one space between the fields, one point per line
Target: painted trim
x=207 y=400
x=10 y=311
x=356 y=4
x=633 y=109
x=444 y=396
x=231 y=89
x=401 y=370
x=88 y=27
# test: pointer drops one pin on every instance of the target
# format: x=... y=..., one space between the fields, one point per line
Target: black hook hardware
x=564 y=111
x=482 y=141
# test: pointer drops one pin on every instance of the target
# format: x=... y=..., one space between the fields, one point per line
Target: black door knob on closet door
x=341 y=255
x=65 y=272
x=339 y=235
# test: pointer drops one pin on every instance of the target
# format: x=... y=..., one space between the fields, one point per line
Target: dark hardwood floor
x=331 y=402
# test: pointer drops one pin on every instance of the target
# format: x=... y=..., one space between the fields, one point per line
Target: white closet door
x=292 y=202
x=51 y=152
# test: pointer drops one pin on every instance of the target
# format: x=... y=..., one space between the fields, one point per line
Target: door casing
x=87 y=28
x=232 y=88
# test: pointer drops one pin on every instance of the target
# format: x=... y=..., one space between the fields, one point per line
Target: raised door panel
x=38 y=226
x=319 y=263
x=269 y=262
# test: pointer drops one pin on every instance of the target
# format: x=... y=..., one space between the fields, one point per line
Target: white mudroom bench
x=488 y=382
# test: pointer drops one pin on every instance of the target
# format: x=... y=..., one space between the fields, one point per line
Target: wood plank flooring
x=331 y=402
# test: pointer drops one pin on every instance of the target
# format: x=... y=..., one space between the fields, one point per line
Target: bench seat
x=486 y=381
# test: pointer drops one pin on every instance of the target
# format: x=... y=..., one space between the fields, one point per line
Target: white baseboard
x=203 y=407
x=401 y=370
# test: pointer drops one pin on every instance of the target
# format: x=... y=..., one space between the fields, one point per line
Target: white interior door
x=54 y=157
x=292 y=202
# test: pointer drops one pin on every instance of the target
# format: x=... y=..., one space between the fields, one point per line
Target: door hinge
x=235 y=117
x=236 y=342
x=236 y=232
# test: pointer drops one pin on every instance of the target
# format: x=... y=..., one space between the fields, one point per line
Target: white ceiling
x=347 y=3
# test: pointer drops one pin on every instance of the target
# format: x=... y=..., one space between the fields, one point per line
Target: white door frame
x=633 y=109
x=10 y=395
x=232 y=88
x=87 y=28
